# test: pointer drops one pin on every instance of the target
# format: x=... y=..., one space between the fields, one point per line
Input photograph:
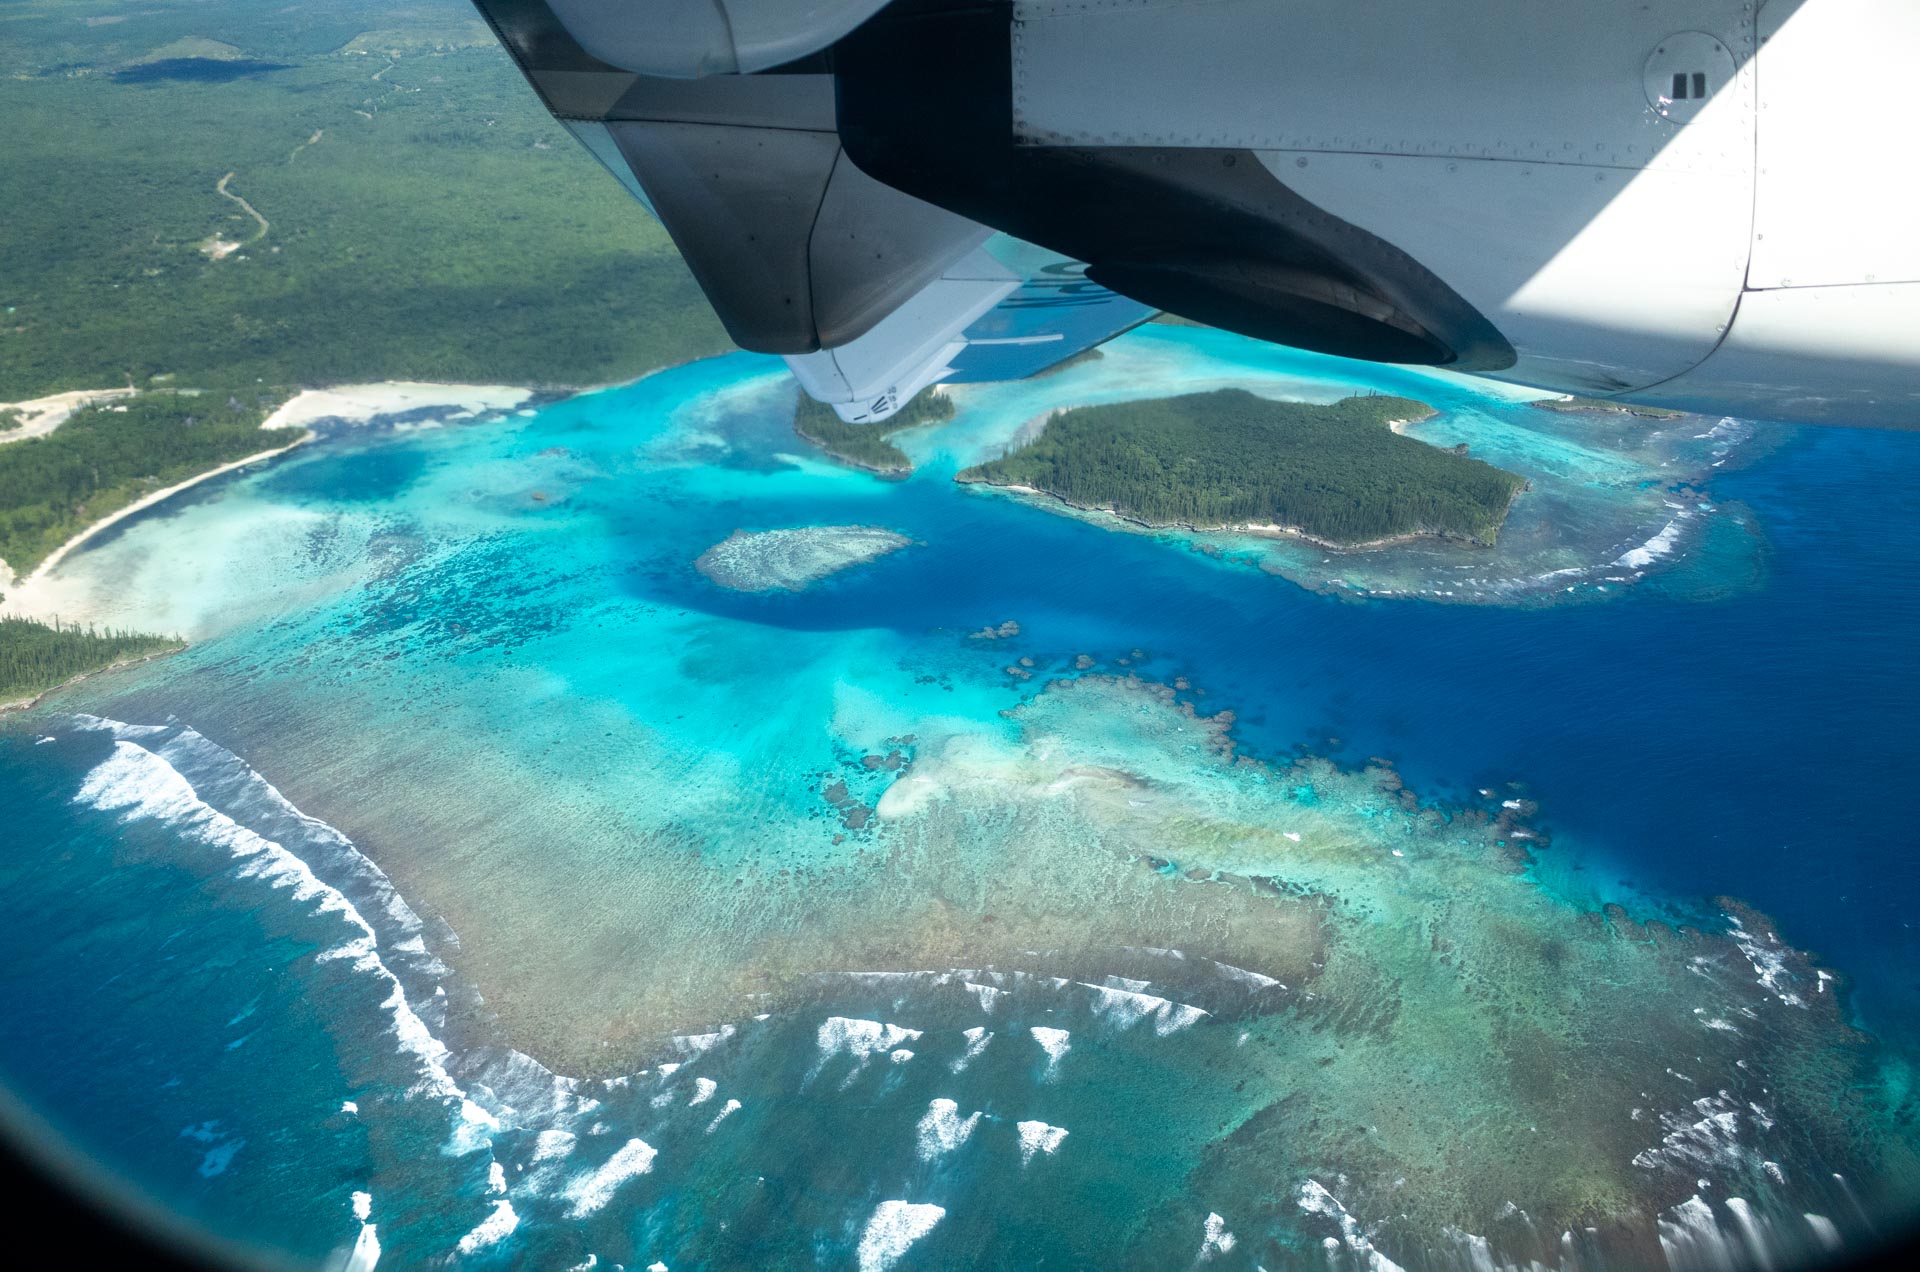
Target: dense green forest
x=1210 y=460
x=34 y=657
x=866 y=445
x=107 y=456
x=424 y=217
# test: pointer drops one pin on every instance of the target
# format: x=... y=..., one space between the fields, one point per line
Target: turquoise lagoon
x=487 y=883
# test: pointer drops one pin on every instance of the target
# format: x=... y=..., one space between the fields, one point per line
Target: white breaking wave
x=1250 y=978
x=366 y=1247
x=892 y=1230
x=1769 y=959
x=591 y=1192
x=552 y=1145
x=861 y=1037
x=366 y=1251
x=1824 y=1231
x=693 y=1046
x=1705 y=1136
x=727 y=1110
x=977 y=1039
x=494 y=1229
x=986 y=995
x=1653 y=549
x=1215 y=1240
x=703 y=1090
x=942 y=1129
x=1037 y=1138
x=1314 y=1199
x=1127 y=1007
x=1055 y=1042
x=138 y=783
x=1691 y=1237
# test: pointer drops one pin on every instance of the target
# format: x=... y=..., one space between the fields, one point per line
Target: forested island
x=866 y=445
x=1338 y=474
x=36 y=657
x=1603 y=406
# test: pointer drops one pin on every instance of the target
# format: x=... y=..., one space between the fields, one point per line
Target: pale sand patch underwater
x=37 y=597
x=792 y=559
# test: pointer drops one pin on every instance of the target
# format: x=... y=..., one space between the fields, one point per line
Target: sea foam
x=138 y=783
x=942 y=1129
x=894 y=1227
x=1055 y=1042
x=589 y=1193
x=1037 y=1138
x=494 y=1229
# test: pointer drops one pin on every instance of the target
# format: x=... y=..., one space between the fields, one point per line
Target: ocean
x=487 y=883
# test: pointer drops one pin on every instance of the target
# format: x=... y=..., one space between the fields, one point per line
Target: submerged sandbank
x=790 y=560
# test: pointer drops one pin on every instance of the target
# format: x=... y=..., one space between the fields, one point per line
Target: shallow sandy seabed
x=791 y=559
x=1331 y=998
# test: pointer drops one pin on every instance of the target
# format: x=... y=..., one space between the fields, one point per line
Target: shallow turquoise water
x=613 y=794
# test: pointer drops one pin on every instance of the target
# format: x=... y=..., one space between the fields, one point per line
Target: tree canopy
x=1229 y=458
x=866 y=445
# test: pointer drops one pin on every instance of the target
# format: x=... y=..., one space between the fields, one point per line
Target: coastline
x=20 y=597
x=364 y=403
x=28 y=704
x=351 y=404
x=1040 y=498
x=894 y=472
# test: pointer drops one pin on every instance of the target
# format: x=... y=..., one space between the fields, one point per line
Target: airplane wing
x=1005 y=311
x=1649 y=202
x=871 y=294
x=1055 y=313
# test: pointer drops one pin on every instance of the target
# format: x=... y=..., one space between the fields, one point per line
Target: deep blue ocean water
x=1757 y=742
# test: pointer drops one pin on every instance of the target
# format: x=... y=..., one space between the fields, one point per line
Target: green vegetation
x=866 y=445
x=426 y=218
x=1336 y=473
x=234 y=200
x=35 y=657
x=10 y=419
x=110 y=455
x=1604 y=406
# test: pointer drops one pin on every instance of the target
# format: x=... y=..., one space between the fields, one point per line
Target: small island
x=36 y=657
x=1574 y=405
x=865 y=445
x=1340 y=475
x=792 y=560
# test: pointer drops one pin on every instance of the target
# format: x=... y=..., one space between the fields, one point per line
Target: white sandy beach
x=362 y=403
x=34 y=597
x=43 y=596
